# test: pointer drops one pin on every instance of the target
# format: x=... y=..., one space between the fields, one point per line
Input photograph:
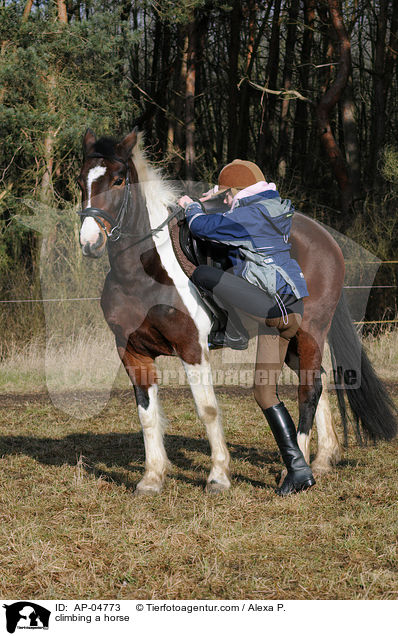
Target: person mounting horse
x=154 y=309
x=265 y=283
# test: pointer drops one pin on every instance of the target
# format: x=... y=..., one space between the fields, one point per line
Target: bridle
x=116 y=224
x=101 y=215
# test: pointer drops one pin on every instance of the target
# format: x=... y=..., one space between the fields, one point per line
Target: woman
x=266 y=284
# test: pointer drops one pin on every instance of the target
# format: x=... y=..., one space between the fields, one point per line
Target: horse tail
x=368 y=398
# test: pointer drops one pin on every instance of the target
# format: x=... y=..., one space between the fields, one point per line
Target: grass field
x=71 y=528
x=86 y=359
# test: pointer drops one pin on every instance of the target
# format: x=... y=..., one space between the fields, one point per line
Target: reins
x=177 y=211
x=116 y=224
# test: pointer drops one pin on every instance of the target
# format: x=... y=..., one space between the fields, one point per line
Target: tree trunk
x=233 y=50
x=48 y=145
x=155 y=79
x=175 y=132
x=352 y=154
x=162 y=94
x=385 y=60
x=287 y=84
x=49 y=140
x=327 y=103
x=245 y=91
x=301 y=115
x=265 y=139
x=190 y=102
x=392 y=51
x=379 y=94
x=27 y=10
x=201 y=119
x=62 y=12
x=3 y=50
x=209 y=127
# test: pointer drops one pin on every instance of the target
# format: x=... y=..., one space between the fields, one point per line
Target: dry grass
x=87 y=361
x=382 y=349
x=71 y=528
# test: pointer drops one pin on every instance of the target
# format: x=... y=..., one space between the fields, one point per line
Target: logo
x=26 y=615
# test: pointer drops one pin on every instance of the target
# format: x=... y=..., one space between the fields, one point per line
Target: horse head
x=104 y=181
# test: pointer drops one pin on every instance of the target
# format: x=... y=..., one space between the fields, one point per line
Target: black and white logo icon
x=26 y=615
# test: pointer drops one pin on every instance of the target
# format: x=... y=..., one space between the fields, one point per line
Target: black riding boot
x=220 y=316
x=299 y=475
x=235 y=335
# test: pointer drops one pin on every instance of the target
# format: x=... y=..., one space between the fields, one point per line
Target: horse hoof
x=215 y=487
x=322 y=467
x=147 y=490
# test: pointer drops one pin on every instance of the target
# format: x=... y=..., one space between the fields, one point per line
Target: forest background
x=305 y=88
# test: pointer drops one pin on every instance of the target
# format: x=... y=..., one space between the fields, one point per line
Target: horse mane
x=158 y=193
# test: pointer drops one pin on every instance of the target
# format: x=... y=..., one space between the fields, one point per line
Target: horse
x=153 y=309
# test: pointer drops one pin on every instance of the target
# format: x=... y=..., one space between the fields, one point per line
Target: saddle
x=192 y=252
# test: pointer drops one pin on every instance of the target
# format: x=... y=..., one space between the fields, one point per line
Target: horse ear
x=89 y=140
x=125 y=147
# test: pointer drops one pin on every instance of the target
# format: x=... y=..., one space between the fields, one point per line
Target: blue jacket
x=257 y=231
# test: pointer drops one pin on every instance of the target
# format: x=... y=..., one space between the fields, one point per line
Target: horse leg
x=142 y=372
x=329 y=449
x=313 y=403
x=310 y=387
x=200 y=380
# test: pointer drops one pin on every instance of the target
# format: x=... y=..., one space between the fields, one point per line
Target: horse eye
x=118 y=182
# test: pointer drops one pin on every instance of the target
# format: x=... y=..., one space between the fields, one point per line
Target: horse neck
x=125 y=258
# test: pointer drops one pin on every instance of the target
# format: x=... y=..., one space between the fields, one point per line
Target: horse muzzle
x=92 y=239
x=94 y=251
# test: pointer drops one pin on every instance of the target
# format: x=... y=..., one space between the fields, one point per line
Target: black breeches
x=236 y=291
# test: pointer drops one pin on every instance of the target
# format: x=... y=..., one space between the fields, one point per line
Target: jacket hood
x=256 y=188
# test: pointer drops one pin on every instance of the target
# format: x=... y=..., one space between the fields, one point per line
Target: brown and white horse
x=153 y=309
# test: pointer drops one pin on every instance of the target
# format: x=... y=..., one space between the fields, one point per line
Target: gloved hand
x=184 y=201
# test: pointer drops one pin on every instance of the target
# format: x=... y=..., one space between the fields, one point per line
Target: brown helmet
x=238 y=175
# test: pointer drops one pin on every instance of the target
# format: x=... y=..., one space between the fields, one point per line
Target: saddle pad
x=187 y=267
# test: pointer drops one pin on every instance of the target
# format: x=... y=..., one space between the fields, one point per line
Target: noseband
x=101 y=215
